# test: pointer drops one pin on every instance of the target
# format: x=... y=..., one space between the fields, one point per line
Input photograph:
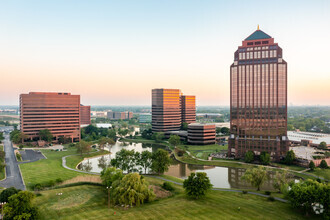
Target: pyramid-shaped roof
x=257 y=35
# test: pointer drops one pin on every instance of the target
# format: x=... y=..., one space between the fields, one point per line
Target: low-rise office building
x=201 y=133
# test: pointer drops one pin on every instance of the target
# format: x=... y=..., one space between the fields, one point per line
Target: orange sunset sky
x=114 y=53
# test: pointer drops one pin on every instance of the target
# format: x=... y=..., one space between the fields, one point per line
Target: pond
x=220 y=177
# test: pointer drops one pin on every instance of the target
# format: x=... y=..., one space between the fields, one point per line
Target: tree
x=131 y=190
x=125 y=160
x=311 y=165
x=45 y=135
x=174 y=140
x=184 y=126
x=281 y=179
x=249 y=157
x=83 y=147
x=225 y=130
x=323 y=164
x=5 y=194
x=290 y=157
x=158 y=136
x=145 y=160
x=305 y=194
x=256 y=176
x=197 y=185
x=217 y=130
x=1 y=137
x=90 y=129
x=18 y=137
x=20 y=206
x=147 y=133
x=110 y=175
x=112 y=134
x=323 y=145
x=160 y=161
x=105 y=141
x=265 y=158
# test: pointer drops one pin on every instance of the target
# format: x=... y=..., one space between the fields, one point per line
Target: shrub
x=249 y=157
x=323 y=164
x=58 y=181
x=267 y=193
x=37 y=187
x=271 y=198
x=311 y=165
x=20 y=146
x=168 y=186
x=265 y=158
x=244 y=192
x=5 y=194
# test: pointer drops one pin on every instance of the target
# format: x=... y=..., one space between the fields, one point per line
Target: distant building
x=145 y=118
x=258 y=98
x=310 y=139
x=188 y=109
x=170 y=109
x=57 y=112
x=201 y=133
x=99 y=114
x=85 y=115
x=119 y=115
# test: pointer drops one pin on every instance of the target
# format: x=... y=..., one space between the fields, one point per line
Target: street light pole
x=2 y=204
x=109 y=196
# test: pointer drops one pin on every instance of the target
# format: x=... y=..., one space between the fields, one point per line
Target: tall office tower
x=258 y=98
x=57 y=112
x=166 y=110
x=85 y=115
x=188 y=109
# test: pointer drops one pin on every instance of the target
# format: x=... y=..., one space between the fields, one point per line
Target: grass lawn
x=73 y=161
x=203 y=151
x=90 y=202
x=138 y=140
x=2 y=171
x=325 y=173
x=47 y=169
x=290 y=167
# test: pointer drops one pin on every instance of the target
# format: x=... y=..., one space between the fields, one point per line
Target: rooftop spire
x=258 y=27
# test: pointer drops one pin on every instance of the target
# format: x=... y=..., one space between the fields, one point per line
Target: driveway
x=13 y=174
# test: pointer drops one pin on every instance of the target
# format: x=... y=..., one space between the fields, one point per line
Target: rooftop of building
x=258 y=35
x=316 y=138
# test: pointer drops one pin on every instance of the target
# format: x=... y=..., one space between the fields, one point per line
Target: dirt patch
x=92 y=179
x=70 y=201
x=160 y=192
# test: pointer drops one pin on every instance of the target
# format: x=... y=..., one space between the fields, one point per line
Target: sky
x=115 y=52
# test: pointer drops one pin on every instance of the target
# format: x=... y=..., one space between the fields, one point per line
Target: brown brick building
x=258 y=98
x=57 y=112
x=85 y=115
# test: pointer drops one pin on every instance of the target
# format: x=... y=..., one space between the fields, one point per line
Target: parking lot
x=31 y=155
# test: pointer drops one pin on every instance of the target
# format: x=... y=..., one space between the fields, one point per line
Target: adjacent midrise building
x=85 y=115
x=258 y=98
x=170 y=109
x=119 y=115
x=57 y=112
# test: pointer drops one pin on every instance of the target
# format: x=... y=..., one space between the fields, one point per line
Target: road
x=13 y=174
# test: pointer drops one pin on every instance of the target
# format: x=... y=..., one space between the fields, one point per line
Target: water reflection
x=220 y=177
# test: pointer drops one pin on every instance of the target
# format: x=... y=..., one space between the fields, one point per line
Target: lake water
x=220 y=177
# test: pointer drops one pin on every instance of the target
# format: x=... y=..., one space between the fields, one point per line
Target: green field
x=203 y=151
x=47 y=169
x=90 y=202
x=73 y=161
x=325 y=173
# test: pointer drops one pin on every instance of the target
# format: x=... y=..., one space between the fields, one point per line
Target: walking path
x=80 y=171
x=13 y=173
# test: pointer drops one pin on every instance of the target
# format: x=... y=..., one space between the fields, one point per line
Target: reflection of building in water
x=234 y=179
x=183 y=170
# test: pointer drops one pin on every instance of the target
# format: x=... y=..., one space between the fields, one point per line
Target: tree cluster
x=131 y=189
x=307 y=195
x=18 y=137
x=131 y=161
x=256 y=176
x=91 y=133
